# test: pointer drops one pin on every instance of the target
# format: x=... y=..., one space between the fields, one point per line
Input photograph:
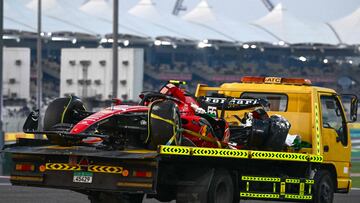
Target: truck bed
x=84 y=151
x=166 y=150
x=87 y=169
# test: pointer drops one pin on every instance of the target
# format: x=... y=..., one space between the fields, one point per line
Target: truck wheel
x=221 y=188
x=164 y=123
x=323 y=187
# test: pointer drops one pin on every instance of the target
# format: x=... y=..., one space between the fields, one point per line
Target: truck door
x=335 y=136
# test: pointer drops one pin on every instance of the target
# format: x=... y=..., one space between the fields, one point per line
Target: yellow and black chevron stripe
x=174 y=150
x=279 y=156
x=77 y=167
x=230 y=153
x=260 y=179
x=307 y=181
x=279 y=188
x=259 y=195
x=302 y=197
x=62 y=167
x=316 y=158
x=105 y=169
x=274 y=196
x=317 y=129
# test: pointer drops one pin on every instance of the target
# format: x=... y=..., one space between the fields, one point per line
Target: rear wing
x=231 y=103
x=202 y=89
x=219 y=101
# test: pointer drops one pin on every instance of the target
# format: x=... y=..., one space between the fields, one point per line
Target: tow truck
x=312 y=172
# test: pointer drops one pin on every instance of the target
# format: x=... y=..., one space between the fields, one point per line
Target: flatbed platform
x=167 y=150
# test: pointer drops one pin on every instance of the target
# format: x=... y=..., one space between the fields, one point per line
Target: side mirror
x=354 y=108
x=350 y=102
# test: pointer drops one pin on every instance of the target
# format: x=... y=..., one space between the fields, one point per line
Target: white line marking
x=5 y=177
x=5 y=184
x=354 y=188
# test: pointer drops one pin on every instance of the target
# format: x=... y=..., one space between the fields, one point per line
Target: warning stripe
x=317 y=129
x=260 y=179
x=304 y=197
x=279 y=156
x=77 y=167
x=276 y=179
x=279 y=188
x=316 y=158
x=174 y=150
x=105 y=169
x=230 y=153
x=259 y=195
x=291 y=180
x=62 y=167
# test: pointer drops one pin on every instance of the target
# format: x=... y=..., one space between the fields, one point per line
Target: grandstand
x=200 y=45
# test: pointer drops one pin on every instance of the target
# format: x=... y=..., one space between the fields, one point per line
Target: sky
x=60 y=15
x=250 y=10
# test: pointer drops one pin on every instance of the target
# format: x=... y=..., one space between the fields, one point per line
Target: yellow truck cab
x=316 y=114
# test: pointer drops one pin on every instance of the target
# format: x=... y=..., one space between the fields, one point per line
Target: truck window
x=333 y=117
x=278 y=102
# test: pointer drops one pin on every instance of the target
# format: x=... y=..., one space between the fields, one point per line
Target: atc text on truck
x=264 y=138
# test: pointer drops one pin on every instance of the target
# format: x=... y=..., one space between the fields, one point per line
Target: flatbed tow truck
x=196 y=174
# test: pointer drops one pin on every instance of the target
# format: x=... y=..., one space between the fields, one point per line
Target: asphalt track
x=16 y=194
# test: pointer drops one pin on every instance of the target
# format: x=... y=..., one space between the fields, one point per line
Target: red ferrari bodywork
x=190 y=120
x=104 y=114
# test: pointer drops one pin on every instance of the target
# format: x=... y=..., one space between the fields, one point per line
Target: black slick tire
x=59 y=116
x=54 y=112
x=164 y=123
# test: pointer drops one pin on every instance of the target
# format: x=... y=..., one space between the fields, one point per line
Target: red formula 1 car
x=168 y=117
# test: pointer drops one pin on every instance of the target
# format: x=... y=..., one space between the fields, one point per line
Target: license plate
x=82 y=177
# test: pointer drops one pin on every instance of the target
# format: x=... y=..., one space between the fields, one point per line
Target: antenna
x=178 y=7
x=268 y=4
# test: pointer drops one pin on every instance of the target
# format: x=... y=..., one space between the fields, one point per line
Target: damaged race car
x=171 y=116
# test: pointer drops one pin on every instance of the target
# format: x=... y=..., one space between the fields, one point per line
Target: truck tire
x=164 y=121
x=221 y=188
x=323 y=188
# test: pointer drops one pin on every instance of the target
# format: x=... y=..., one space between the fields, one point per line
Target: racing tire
x=221 y=188
x=164 y=123
x=54 y=112
x=323 y=188
x=58 y=112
